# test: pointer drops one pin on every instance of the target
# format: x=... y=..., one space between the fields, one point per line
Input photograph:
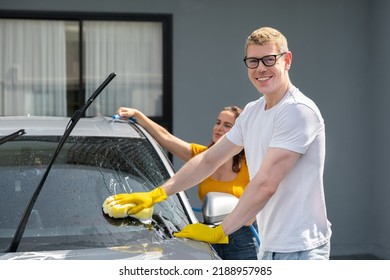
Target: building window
x=51 y=63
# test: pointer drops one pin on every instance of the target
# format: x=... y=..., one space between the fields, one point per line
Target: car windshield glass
x=68 y=212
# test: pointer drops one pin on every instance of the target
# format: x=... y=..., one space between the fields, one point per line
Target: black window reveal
x=50 y=63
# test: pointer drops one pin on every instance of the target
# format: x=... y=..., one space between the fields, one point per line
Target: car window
x=68 y=211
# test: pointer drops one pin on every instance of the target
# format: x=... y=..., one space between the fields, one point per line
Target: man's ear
x=288 y=59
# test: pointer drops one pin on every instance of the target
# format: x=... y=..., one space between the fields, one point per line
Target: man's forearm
x=201 y=166
x=252 y=201
x=192 y=172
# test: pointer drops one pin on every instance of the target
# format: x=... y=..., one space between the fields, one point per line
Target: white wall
x=339 y=60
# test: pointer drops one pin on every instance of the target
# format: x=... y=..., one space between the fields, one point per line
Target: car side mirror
x=216 y=206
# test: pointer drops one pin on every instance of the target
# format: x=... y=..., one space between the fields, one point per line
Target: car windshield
x=68 y=211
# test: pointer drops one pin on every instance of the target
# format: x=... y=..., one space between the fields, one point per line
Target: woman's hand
x=126 y=112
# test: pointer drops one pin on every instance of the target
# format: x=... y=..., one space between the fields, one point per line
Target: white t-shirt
x=295 y=218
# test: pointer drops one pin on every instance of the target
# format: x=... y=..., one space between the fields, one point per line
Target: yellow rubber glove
x=129 y=204
x=202 y=232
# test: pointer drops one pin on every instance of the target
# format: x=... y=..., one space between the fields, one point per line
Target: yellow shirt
x=235 y=187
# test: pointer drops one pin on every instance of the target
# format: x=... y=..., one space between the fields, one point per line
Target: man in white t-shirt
x=283 y=134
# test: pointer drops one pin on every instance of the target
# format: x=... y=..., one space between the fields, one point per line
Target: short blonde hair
x=267 y=35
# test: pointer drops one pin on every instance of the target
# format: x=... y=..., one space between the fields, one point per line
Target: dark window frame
x=166 y=20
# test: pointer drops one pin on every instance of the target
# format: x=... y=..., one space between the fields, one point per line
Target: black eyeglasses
x=268 y=60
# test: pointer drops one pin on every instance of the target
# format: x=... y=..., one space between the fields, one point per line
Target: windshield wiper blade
x=12 y=136
x=75 y=118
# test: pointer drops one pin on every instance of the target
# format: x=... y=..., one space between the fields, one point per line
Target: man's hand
x=202 y=232
x=127 y=204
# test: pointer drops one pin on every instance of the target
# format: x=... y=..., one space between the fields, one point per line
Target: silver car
x=100 y=158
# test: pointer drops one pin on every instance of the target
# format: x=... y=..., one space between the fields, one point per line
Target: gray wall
x=378 y=100
x=339 y=60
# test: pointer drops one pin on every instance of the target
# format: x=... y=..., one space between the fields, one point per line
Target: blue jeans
x=320 y=253
x=242 y=246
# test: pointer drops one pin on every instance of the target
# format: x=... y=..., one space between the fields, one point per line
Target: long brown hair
x=237 y=159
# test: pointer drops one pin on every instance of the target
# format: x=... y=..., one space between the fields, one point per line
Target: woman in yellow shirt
x=231 y=177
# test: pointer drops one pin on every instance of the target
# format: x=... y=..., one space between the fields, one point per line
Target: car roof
x=96 y=126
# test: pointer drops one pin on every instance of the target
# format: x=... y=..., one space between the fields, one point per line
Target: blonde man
x=283 y=134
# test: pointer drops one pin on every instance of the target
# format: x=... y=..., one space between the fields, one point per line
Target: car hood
x=172 y=249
